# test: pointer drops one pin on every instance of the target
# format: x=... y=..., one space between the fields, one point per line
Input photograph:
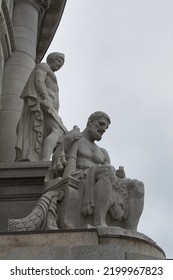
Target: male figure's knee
x=137 y=187
x=106 y=172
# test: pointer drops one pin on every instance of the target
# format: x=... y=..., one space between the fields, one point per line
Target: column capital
x=43 y=3
x=40 y=4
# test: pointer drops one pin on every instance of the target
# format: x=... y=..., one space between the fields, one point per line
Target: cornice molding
x=49 y=22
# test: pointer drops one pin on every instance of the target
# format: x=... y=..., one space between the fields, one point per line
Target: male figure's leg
x=136 y=203
x=105 y=177
x=52 y=132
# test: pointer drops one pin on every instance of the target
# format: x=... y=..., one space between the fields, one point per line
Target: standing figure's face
x=56 y=63
x=98 y=127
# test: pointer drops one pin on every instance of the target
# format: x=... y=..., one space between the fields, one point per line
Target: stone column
x=17 y=70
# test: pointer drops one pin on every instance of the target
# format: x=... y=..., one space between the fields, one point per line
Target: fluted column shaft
x=16 y=73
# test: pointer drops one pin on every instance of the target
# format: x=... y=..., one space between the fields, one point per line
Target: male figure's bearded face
x=97 y=128
x=95 y=135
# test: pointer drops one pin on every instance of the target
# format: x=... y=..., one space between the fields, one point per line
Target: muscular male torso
x=89 y=154
x=52 y=89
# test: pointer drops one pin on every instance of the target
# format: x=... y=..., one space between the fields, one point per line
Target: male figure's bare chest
x=91 y=151
x=51 y=82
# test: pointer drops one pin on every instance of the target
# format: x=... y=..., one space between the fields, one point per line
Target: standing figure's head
x=55 y=60
x=97 y=124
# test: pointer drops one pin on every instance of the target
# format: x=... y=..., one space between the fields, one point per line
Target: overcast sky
x=119 y=59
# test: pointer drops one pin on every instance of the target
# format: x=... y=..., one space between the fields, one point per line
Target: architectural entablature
x=50 y=17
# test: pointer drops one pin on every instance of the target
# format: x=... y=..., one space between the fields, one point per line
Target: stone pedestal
x=21 y=185
x=80 y=244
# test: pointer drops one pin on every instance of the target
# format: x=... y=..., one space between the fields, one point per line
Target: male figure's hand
x=74 y=134
x=46 y=105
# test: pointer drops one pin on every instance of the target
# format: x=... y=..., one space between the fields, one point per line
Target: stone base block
x=81 y=244
x=21 y=185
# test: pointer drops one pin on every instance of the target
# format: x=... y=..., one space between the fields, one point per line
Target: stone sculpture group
x=81 y=188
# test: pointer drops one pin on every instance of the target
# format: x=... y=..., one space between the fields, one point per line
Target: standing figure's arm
x=42 y=93
x=57 y=102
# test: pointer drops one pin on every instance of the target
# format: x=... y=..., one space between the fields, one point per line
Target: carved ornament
x=41 y=4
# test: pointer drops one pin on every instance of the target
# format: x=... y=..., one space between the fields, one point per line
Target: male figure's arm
x=120 y=173
x=66 y=149
x=71 y=137
x=43 y=96
x=106 y=155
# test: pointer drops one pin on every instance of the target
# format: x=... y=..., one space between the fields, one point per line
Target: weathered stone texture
x=75 y=245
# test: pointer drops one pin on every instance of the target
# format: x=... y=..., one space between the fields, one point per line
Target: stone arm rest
x=60 y=182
